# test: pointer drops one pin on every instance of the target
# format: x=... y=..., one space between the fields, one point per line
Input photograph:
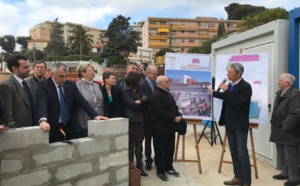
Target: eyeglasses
x=155 y=74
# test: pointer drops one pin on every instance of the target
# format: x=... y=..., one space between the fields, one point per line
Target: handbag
x=134 y=175
x=181 y=127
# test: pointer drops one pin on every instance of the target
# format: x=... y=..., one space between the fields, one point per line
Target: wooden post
x=194 y=122
x=254 y=165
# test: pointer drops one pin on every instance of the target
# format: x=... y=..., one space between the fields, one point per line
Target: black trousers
x=164 y=146
x=148 y=140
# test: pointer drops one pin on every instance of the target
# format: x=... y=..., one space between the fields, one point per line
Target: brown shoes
x=234 y=181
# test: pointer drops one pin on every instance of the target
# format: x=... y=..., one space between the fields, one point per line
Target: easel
x=251 y=126
x=194 y=122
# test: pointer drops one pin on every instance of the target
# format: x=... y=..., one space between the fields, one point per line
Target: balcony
x=158 y=37
x=158 y=44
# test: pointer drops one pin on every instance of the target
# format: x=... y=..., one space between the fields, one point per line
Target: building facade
x=41 y=32
x=180 y=34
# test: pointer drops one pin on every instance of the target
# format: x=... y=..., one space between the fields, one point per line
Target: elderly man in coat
x=286 y=129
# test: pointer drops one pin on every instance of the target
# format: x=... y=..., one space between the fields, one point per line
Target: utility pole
x=170 y=38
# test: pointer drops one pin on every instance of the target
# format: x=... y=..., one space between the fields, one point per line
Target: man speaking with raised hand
x=235 y=116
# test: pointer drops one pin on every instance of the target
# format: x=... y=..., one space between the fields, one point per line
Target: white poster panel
x=256 y=73
x=190 y=74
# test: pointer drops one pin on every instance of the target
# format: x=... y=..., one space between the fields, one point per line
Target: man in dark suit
x=131 y=67
x=3 y=127
x=19 y=99
x=57 y=99
x=235 y=116
x=148 y=87
x=166 y=115
x=39 y=70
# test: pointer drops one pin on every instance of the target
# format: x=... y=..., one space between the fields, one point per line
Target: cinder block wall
x=27 y=158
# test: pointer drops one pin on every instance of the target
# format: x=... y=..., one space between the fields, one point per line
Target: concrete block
x=122 y=173
x=10 y=165
x=65 y=184
x=73 y=170
x=117 y=159
x=95 y=181
x=113 y=126
x=35 y=178
x=89 y=146
x=23 y=138
x=54 y=153
x=122 y=142
x=126 y=183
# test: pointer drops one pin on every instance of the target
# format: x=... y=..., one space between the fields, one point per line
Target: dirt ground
x=210 y=156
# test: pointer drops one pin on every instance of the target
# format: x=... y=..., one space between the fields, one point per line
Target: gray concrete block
x=73 y=170
x=126 y=183
x=112 y=160
x=23 y=138
x=122 y=173
x=65 y=184
x=89 y=146
x=94 y=181
x=35 y=178
x=122 y=142
x=113 y=126
x=10 y=165
x=58 y=152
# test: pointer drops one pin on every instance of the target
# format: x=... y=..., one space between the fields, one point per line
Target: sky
x=17 y=16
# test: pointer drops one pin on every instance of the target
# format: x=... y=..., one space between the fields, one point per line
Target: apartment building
x=180 y=34
x=40 y=34
x=138 y=28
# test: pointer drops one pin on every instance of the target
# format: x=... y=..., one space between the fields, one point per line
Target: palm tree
x=80 y=41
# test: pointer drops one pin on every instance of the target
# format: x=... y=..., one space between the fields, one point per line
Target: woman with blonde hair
x=92 y=92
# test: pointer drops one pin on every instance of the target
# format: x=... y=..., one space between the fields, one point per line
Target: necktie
x=63 y=108
x=27 y=92
x=152 y=87
x=232 y=88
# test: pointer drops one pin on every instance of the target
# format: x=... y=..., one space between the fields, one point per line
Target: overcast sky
x=17 y=16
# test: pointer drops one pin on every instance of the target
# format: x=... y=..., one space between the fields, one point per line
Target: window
x=191 y=41
x=191 y=32
x=182 y=41
x=152 y=22
x=163 y=22
x=182 y=32
x=211 y=25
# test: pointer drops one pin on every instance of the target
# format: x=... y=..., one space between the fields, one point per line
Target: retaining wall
x=27 y=158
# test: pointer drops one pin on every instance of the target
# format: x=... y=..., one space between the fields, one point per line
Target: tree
x=221 y=29
x=237 y=11
x=34 y=55
x=56 y=45
x=80 y=41
x=23 y=41
x=121 y=39
x=205 y=48
x=8 y=43
x=163 y=52
x=263 y=18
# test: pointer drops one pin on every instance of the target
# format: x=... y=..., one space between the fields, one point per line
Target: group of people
x=57 y=104
x=62 y=107
x=285 y=125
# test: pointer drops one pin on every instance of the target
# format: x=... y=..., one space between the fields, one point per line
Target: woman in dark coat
x=135 y=104
x=112 y=96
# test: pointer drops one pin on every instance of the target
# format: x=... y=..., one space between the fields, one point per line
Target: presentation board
x=190 y=74
x=256 y=73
